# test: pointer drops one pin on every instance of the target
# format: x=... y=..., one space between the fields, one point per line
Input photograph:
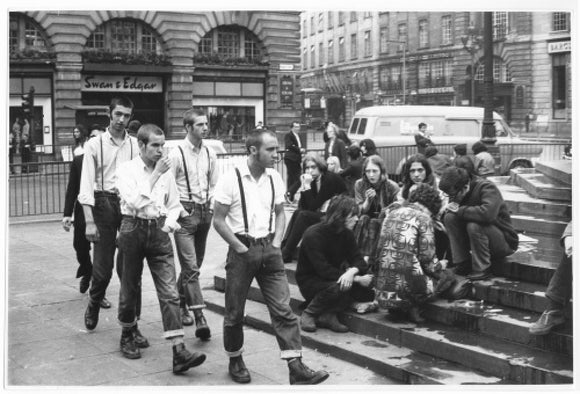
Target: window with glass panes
x=320 y=21
x=305 y=58
x=402 y=34
x=340 y=18
x=384 y=77
x=437 y=73
x=341 y=50
x=446 y=30
x=97 y=39
x=23 y=33
x=312 y=25
x=148 y=41
x=424 y=75
x=251 y=49
x=320 y=55
x=423 y=34
x=33 y=37
x=228 y=43
x=500 y=25
x=206 y=45
x=395 y=81
x=124 y=35
x=500 y=71
x=367 y=15
x=330 y=55
x=312 y=54
x=384 y=39
x=367 y=43
x=304 y=27
x=560 y=21
x=353 y=46
x=330 y=19
x=353 y=16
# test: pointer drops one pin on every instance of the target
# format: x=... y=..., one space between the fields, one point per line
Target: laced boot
x=201 y=328
x=92 y=315
x=139 y=339
x=128 y=347
x=301 y=374
x=238 y=371
x=186 y=318
x=183 y=359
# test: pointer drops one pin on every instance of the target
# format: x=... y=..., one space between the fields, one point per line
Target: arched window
x=26 y=34
x=500 y=71
x=232 y=42
x=125 y=36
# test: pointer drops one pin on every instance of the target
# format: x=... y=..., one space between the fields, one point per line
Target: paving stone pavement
x=47 y=344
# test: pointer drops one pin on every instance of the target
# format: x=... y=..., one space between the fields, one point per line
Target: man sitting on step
x=331 y=269
x=478 y=221
x=559 y=290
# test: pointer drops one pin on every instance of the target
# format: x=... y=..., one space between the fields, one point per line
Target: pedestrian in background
x=438 y=161
x=335 y=146
x=80 y=136
x=353 y=170
x=422 y=138
x=368 y=147
x=133 y=127
x=333 y=164
x=295 y=147
x=484 y=162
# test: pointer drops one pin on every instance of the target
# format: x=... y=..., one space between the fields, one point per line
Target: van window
x=363 y=126
x=502 y=129
x=395 y=126
x=462 y=128
x=354 y=125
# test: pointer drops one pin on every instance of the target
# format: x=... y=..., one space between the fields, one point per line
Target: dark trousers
x=560 y=286
x=190 y=242
x=143 y=239
x=331 y=300
x=486 y=242
x=299 y=222
x=263 y=262
x=80 y=243
x=293 y=171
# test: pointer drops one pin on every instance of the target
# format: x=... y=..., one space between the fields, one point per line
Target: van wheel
x=517 y=164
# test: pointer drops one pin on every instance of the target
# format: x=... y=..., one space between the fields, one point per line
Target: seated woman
x=317 y=186
x=408 y=264
x=374 y=191
x=331 y=270
x=333 y=164
x=353 y=171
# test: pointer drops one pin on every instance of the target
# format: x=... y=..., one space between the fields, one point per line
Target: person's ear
x=253 y=150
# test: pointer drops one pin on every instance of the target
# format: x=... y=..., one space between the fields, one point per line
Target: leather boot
x=201 y=328
x=307 y=322
x=186 y=318
x=415 y=315
x=238 y=371
x=330 y=321
x=301 y=374
x=128 y=346
x=140 y=341
x=84 y=283
x=92 y=315
x=183 y=359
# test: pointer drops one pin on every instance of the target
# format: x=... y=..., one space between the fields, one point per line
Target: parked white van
x=391 y=126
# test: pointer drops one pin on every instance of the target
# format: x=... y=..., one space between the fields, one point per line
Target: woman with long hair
x=335 y=146
x=368 y=147
x=333 y=164
x=374 y=191
x=80 y=136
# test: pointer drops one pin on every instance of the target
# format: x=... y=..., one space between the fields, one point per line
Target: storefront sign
x=559 y=46
x=286 y=91
x=121 y=83
x=429 y=56
x=444 y=89
x=286 y=67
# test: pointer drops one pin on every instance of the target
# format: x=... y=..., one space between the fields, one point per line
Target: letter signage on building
x=286 y=91
x=559 y=46
x=121 y=83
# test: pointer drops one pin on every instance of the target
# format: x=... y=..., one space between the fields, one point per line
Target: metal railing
x=38 y=188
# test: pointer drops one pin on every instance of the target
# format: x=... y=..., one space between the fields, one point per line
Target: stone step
x=529 y=224
x=396 y=362
x=560 y=170
x=525 y=267
x=505 y=359
x=520 y=202
x=541 y=186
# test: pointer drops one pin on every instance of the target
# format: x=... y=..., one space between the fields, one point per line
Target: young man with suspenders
x=249 y=215
x=194 y=166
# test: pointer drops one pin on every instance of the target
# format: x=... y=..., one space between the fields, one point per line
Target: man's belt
x=102 y=193
x=248 y=240
x=159 y=221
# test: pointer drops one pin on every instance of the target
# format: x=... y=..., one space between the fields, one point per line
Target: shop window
x=25 y=34
x=559 y=85
x=125 y=36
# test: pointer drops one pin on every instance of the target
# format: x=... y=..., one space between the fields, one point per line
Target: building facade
x=351 y=60
x=241 y=66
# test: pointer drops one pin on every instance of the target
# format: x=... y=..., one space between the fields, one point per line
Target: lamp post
x=471 y=43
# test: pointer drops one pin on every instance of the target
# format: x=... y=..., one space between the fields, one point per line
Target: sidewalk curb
x=35 y=219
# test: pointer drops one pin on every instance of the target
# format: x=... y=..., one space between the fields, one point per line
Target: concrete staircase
x=480 y=341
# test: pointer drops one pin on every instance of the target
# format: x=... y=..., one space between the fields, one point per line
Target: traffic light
x=28 y=103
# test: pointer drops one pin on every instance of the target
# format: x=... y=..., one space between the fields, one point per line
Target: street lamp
x=471 y=43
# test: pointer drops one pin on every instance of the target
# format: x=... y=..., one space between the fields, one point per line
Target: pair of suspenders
x=103 y=161
x=244 y=209
x=189 y=193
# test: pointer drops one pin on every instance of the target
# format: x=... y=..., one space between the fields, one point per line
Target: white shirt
x=139 y=199
x=199 y=165
x=95 y=164
x=297 y=139
x=258 y=200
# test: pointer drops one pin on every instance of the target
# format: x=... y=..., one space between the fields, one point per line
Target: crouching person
x=150 y=207
x=331 y=269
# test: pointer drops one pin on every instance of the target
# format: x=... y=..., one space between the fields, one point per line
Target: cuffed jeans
x=263 y=262
x=190 y=242
x=560 y=286
x=486 y=242
x=139 y=239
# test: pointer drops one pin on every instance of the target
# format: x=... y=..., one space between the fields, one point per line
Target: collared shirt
x=297 y=139
x=139 y=199
x=258 y=199
x=201 y=169
x=100 y=166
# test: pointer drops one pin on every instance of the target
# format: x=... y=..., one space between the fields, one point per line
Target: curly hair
x=466 y=163
x=407 y=181
x=339 y=209
x=427 y=196
x=453 y=179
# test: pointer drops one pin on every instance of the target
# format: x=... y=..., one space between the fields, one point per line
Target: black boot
x=238 y=371
x=301 y=374
x=186 y=318
x=84 y=283
x=128 y=346
x=140 y=340
x=183 y=359
x=202 y=329
x=92 y=315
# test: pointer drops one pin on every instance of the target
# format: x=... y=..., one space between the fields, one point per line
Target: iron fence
x=38 y=188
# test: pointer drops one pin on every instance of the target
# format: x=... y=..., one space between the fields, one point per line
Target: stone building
x=242 y=66
x=351 y=60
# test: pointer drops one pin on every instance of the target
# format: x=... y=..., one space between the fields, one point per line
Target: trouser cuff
x=288 y=354
x=173 y=333
x=128 y=325
x=236 y=353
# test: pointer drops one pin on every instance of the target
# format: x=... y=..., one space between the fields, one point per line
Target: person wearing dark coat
x=422 y=138
x=335 y=146
x=368 y=147
x=353 y=170
x=295 y=145
x=438 y=161
x=317 y=186
x=331 y=267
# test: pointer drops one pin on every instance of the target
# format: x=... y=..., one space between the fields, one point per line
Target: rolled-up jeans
x=560 y=287
x=263 y=262
x=139 y=239
x=190 y=242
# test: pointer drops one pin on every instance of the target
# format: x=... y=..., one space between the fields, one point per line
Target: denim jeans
x=139 y=239
x=263 y=262
x=560 y=286
x=190 y=242
x=331 y=300
x=486 y=242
